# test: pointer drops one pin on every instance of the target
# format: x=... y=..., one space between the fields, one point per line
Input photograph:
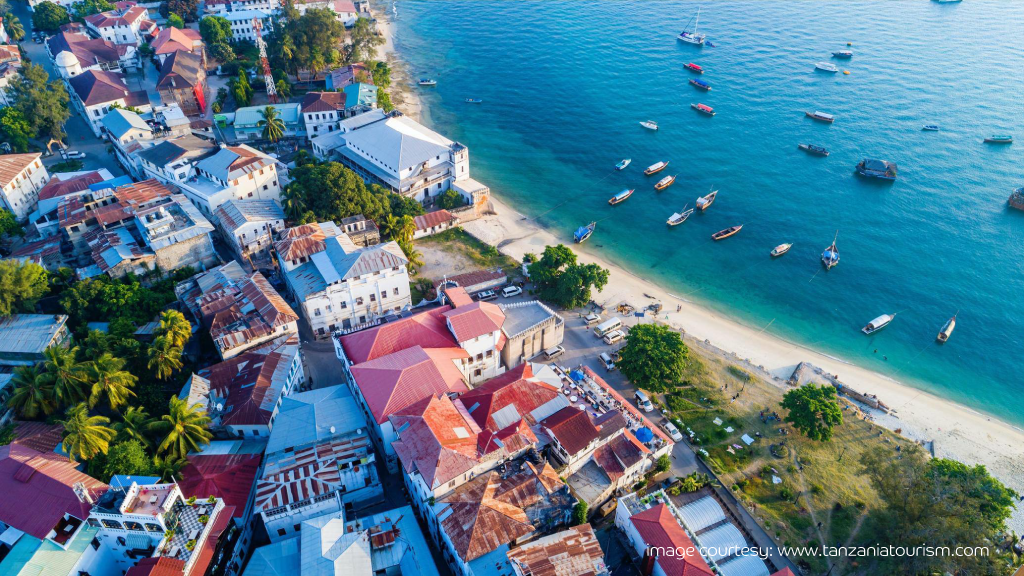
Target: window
x=490 y=353
x=359 y=301
x=396 y=291
x=316 y=312
x=281 y=532
x=479 y=357
x=344 y=305
x=296 y=527
x=373 y=297
x=476 y=372
x=383 y=294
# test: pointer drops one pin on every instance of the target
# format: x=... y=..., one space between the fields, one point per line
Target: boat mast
x=696 y=22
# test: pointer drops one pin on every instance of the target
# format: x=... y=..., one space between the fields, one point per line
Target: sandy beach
x=957 y=431
x=403 y=86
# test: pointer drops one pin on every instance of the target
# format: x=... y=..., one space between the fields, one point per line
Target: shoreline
x=965 y=434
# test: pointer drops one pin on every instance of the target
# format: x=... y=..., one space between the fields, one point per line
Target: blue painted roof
x=112 y=183
x=360 y=94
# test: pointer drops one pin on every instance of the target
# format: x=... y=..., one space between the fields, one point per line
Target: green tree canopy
x=332 y=192
x=450 y=199
x=184 y=8
x=85 y=436
x=14 y=27
x=49 y=16
x=364 y=41
x=20 y=286
x=129 y=458
x=215 y=30
x=85 y=8
x=42 y=102
x=813 y=410
x=273 y=126
x=221 y=52
x=560 y=279
x=654 y=357
x=312 y=40
x=579 y=513
x=241 y=89
x=110 y=380
x=33 y=393
x=66 y=374
x=185 y=428
x=15 y=129
x=175 y=21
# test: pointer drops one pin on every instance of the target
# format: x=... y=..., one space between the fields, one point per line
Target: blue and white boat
x=881 y=169
x=622 y=165
x=930 y=128
x=621 y=196
x=830 y=257
x=583 y=232
x=697 y=82
x=695 y=37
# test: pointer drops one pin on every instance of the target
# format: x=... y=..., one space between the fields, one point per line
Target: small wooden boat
x=621 y=196
x=814 y=149
x=678 y=218
x=427 y=82
x=656 y=167
x=703 y=109
x=821 y=116
x=881 y=169
x=473 y=101
x=878 y=323
x=947 y=329
x=705 y=201
x=780 y=250
x=622 y=165
x=826 y=67
x=697 y=82
x=665 y=182
x=930 y=128
x=1017 y=199
x=583 y=233
x=830 y=257
x=723 y=234
x=843 y=54
x=1001 y=139
x=649 y=124
x=693 y=68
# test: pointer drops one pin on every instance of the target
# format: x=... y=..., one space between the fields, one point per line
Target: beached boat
x=830 y=257
x=705 y=201
x=821 y=116
x=814 y=149
x=678 y=218
x=583 y=232
x=723 y=234
x=621 y=196
x=622 y=165
x=1000 y=139
x=930 y=128
x=947 y=329
x=695 y=37
x=693 y=67
x=843 y=54
x=427 y=82
x=700 y=84
x=664 y=182
x=703 y=109
x=878 y=323
x=780 y=250
x=656 y=167
x=1017 y=199
x=826 y=67
x=649 y=124
x=881 y=169
x=473 y=101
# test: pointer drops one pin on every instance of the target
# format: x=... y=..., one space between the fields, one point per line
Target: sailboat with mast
x=695 y=37
x=830 y=257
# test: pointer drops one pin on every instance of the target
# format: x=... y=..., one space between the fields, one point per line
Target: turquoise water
x=565 y=83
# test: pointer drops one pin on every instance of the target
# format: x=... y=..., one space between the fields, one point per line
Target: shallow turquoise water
x=564 y=84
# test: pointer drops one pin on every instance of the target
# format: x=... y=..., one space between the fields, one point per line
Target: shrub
x=786 y=493
x=579 y=514
x=204 y=519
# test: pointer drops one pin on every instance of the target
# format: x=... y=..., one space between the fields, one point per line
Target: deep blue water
x=565 y=83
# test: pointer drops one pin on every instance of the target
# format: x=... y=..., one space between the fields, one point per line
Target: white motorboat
x=649 y=124
x=878 y=323
x=826 y=67
x=678 y=218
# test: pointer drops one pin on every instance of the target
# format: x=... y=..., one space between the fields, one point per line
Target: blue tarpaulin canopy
x=576 y=375
x=644 y=434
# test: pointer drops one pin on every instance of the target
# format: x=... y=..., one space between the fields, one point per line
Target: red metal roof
x=660 y=529
x=60 y=187
x=159 y=566
x=572 y=552
x=572 y=428
x=458 y=296
x=426 y=329
x=512 y=387
x=323 y=102
x=37 y=489
x=220 y=524
x=437 y=438
x=393 y=382
x=38 y=436
x=475 y=319
x=229 y=477
x=431 y=219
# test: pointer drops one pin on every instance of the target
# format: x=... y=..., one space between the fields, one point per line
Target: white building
x=340 y=285
x=130 y=25
x=74 y=53
x=21 y=178
x=322 y=112
x=93 y=92
x=249 y=226
x=344 y=10
x=241 y=24
x=234 y=172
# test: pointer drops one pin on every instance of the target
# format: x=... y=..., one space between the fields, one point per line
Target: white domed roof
x=66 y=59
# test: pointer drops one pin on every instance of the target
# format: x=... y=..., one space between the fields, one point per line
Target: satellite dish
x=220 y=406
x=332 y=429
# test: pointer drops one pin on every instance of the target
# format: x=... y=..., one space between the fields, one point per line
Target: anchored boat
x=583 y=232
x=621 y=196
x=705 y=201
x=814 y=149
x=1001 y=139
x=695 y=38
x=649 y=124
x=664 y=182
x=947 y=329
x=427 y=82
x=930 y=128
x=1017 y=199
x=693 y=67
x=878 y=323
x=697 y=82
x=473 y=101
x=826 y=67
x=881 y=169
x=703 y=109
x=843 y=54
x=656 y=167
x=780 y=250
x=821 y=116
x=830 y=257
x=622 y=165
x=723 y=234
x=678 y=218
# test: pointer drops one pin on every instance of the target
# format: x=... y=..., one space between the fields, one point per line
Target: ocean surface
x=565 y=83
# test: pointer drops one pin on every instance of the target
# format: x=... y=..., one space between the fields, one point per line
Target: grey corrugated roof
x=307 y=417
x=398 y=143
x=29 y=333
x=119 y=122
x=234 y=213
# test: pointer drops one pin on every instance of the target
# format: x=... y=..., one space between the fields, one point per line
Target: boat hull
x=707 y=111
x=877 y=324
x=694 y=68
x=622 y=165
x=655 y=169
x=664 y=183
x=705 y=202
x=705 y=87
x=620 y=197
x=723 y=234
x=826 y=119
x=999 y=140
x=814 y=150
x=946 y=331
x=780 y=250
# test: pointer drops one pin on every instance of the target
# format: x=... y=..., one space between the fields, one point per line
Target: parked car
x=643 y=402
x=591 y=319
x=673 y=431
x=486 y=295
x=552 y=353
x=75 y=155
x=510 y=291
x=614 y=336
x=607 y=360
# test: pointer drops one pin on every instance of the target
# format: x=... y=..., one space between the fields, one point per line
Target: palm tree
x=135 y=422
x=174 y=325
x=415 y=258
x=85 y=436
x=164 y=357
x=110 y=379
x=66 y=374
x=33 y=394
x=294 y=207
x=169 y=468
x=14 y=28
x=273 y=127
x=405 y=229
x=185 y=428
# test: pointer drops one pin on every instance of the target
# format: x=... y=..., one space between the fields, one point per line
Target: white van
x=614 y=336
x=643 y=402
x=607 y=360
x=552 y=353
x=510 y=291
x=607 y=326
x=591 y=319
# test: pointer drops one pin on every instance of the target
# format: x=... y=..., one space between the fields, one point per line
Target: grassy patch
x=457 y=241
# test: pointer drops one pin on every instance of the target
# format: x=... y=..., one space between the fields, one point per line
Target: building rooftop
x=393 y=382
x=314 y=416
x=659 y=529
x=159 y=566
x=397 y=542
x=572 y=428
x=512 y=396
x=233 y=214
x=181 y=69
x=233 y=162
x=323 y=102
x=11 y=165
x=474 y=319
x=119 y=122
x=522 y=316
x=28 y=334
x=434 y=218
x=100 y=87
x=425 y=329
x=572 y=552
x=88 y=51
x=186 y=146
x=251 y=116
x=397 y=143
x=171 y=39
x=305 y=240
x=229 y=477
x=360 y=94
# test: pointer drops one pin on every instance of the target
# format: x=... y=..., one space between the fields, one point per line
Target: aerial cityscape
x=532 y=288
